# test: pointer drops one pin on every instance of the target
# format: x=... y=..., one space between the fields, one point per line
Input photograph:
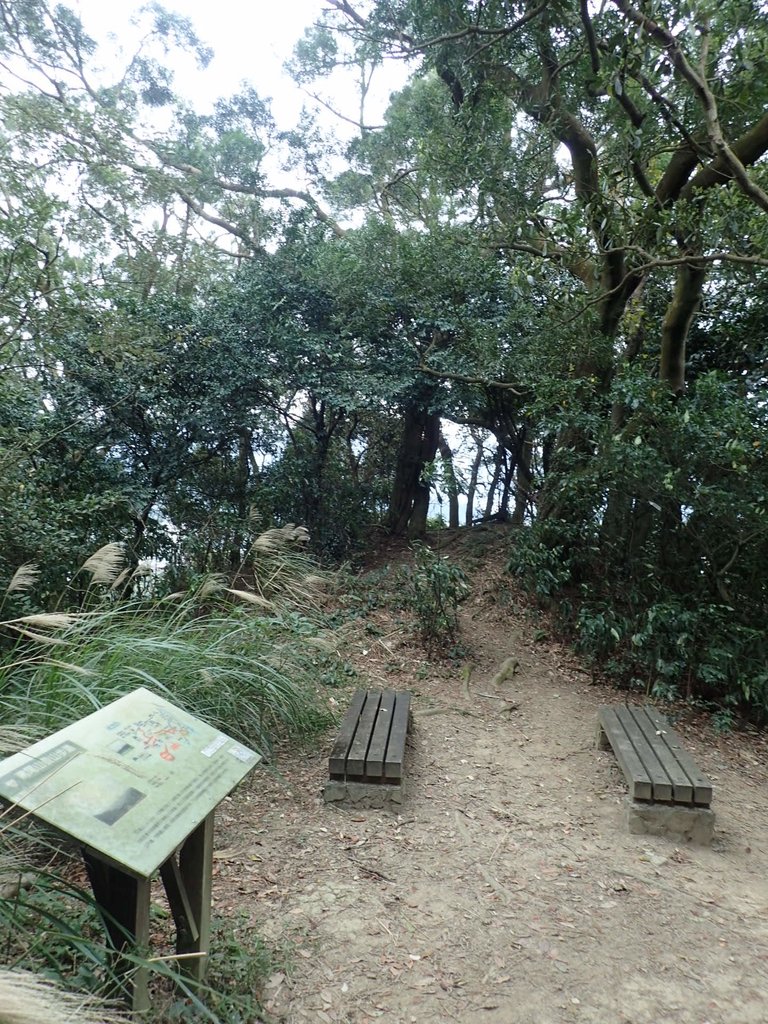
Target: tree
x=131 y=142
x=662 y=120
x=111 y=235
x=614 y=158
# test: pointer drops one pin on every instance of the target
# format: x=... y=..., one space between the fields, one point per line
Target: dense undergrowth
x=653 y=553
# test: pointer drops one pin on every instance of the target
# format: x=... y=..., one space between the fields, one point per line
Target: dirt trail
x=507 y=889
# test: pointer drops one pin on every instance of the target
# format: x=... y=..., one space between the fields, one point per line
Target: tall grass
x=242 y=658
x=244 y=655
x=248 y=675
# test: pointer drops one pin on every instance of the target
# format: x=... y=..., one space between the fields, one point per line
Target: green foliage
x=528 y=220
x=240 y=964
x=660 y=568
x=433 y=589
x=358 y=595
x=544 y=557
x=47 y=920
x=315 y=485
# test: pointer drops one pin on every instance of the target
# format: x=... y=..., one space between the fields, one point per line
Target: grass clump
x=241 y=962
x=250 y=676
x=243 y=658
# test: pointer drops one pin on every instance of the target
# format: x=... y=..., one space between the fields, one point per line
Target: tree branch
x=499 y=385
x=733 y=167
x=219 y=222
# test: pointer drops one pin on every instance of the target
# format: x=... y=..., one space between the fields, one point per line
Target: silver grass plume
x=250 y=598
x=30 y=625
x=26 y=998
x=25 y=577
x=44 y=620
x=15 y=737
x=213 y=584
x=279 y=538
x=105 y=565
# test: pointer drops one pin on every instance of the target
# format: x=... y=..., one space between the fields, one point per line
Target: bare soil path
x=507 y=888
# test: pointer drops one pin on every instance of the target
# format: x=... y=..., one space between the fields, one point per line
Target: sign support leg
x=195 y=871
x=123 y=902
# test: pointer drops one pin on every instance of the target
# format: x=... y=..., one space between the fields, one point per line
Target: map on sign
x=130 y=781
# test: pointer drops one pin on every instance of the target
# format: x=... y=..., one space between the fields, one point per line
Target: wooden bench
x=668 y=793
x=366 y=763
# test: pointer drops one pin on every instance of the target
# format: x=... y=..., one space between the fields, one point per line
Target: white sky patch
x=251 y=42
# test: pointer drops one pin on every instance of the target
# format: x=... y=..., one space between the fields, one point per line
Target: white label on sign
x=213 y=746
x=242 y=753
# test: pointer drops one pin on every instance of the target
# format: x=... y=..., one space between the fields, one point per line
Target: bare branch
x=343 y=117
x=589 y=31
x=484 y=382
x=211 y=218
x=475 y=30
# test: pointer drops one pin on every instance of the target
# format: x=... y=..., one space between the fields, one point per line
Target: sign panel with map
x=131 y=781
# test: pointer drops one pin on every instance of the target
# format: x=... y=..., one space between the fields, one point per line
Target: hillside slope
x=507 y=888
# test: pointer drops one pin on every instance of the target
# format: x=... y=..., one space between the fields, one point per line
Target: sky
x=251 y=40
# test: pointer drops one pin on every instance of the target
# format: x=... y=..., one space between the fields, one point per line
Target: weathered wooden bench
x=668 y=794
x=366 y=763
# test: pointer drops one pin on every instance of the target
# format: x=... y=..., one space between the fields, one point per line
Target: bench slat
x=358 y=750
x=660 y=782
x=393 y=768
x=377 y=751
x=702 y=787
x=640 y=786
x=337 y=762
x=682 y=787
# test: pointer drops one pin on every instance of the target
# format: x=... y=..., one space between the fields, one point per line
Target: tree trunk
x=451 y=484
x=677 y=322
x=473 y=475
x=509 y=475
x=409 y=503
x=642 y=522
x=498 y=462
x=615 y=527
x=524 y=474
x=241 y=478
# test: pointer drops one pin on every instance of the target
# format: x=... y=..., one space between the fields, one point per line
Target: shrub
x=434 y=587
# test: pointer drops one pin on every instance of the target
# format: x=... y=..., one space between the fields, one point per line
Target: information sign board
x=131 y=781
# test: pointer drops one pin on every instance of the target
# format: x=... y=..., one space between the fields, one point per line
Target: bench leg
x=601 y=739
x=676 y=821
x=363 y=795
